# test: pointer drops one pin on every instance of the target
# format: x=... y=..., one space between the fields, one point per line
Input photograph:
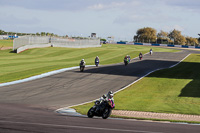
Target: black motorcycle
x=82 y=68
x=97 y=63
x=140 y=57
x=102 y=109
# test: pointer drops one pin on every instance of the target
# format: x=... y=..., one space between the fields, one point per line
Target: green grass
x=6 y=43
x=174 y=90
x=36 y=61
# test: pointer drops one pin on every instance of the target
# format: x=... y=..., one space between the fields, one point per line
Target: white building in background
x=110 y=39
x=93 y=35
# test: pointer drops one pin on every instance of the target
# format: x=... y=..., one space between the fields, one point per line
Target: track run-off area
x=29 y=106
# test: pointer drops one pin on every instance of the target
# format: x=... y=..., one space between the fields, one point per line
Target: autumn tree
x=177 y=37
x=146 y=34
x=162 y=36
x=191 y=41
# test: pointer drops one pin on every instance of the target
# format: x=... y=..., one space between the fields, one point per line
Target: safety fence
x=27 y=42
x=75 y=43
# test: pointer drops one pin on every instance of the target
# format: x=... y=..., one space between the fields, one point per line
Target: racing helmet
x=104 y=96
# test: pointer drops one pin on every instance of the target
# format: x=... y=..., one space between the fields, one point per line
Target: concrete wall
x=25 y=47
x=29 y=40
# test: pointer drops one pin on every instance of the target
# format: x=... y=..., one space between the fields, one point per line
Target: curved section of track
x=29 y=102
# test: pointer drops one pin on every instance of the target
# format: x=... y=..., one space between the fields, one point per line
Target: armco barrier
x=138 y=43
x=170 y=45
x=183 y=46
x=153 y=44
x=167 y=45
x=121 y=42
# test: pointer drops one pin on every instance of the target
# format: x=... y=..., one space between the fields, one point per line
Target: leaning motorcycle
x=103 y=109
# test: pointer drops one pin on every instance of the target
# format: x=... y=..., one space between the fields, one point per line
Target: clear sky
x=118 y=18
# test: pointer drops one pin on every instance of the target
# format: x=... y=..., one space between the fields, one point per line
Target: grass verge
x=37 y=61
x=174 y=90
x=6 y=43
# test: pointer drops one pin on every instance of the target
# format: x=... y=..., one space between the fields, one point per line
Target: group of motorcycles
x=82 y=63
x=104 y=109
x=127 y=57
x=127 y=60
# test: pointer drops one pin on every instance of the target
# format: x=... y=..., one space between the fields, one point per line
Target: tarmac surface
x=30 y=106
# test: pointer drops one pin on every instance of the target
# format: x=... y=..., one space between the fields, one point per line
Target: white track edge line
x=41 y=76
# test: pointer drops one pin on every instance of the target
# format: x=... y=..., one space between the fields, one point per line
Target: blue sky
x=118 y=18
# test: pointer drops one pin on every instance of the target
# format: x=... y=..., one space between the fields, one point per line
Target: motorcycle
x=97 y=63
x=103 y=109
x=151 y=52
x=82 y=68
x=140 y=56
x=126 y=62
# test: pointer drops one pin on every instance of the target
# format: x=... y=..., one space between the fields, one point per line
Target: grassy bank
x=36 y=61
x=6 y=43
x=174 y=90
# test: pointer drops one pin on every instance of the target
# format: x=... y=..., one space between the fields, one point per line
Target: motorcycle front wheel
x=107 y=112
x=90 y=113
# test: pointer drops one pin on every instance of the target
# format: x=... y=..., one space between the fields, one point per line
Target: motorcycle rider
x=102 y=99
x=151 y=51
x=126 y=59
x=140 y=55
x=110 y=97
x=97 y=60
x=129 y=58
x=82 y=63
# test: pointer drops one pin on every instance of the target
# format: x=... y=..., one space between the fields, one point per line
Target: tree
x=38 y=34
x=146 y=34
x=177 y=37
x=43 y=33
x=191 y=41
x=163 y=37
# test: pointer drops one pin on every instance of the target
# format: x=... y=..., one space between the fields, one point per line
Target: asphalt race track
x=29 y=107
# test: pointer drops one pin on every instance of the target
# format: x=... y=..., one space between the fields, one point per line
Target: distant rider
x=127 y=58
x=140 y=56
x=82 y=63
x=97 y=59
x=151 y=51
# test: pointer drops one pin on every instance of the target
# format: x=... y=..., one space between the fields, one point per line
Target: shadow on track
x=138 y=68
x=185 y=70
